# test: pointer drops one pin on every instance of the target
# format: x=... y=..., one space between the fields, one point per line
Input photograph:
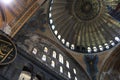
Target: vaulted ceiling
x=71 y=27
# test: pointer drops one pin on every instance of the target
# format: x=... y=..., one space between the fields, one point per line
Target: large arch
x=51 y=55
x=111 y=68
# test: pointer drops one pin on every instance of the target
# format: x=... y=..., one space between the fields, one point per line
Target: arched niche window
x=74 y=70
x=34 y=51
x=45 y=49
x=53 y=63
x=44 y=57
x=51 y=21
x=72 y=46
x=67 y=64
x=25 y=75
x=61 y=69
x=53 y=27
x=69 y=75
x=67 y=44
x=59 y=36
x=63 y=41
x=54 y=54
x=56 y=32
x=60 y=58
x=26 y=72
x=75 y=78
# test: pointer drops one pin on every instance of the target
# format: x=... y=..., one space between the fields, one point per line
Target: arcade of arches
x=60 y=39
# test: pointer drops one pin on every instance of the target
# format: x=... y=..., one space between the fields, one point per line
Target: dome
x=85 y=26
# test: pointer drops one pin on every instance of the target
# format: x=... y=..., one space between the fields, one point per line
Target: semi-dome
x=85 y=26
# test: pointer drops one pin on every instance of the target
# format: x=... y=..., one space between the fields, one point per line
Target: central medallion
x=86 y=10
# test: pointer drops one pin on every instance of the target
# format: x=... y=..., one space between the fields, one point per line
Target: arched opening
x=26 y=73
x=111 y=68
